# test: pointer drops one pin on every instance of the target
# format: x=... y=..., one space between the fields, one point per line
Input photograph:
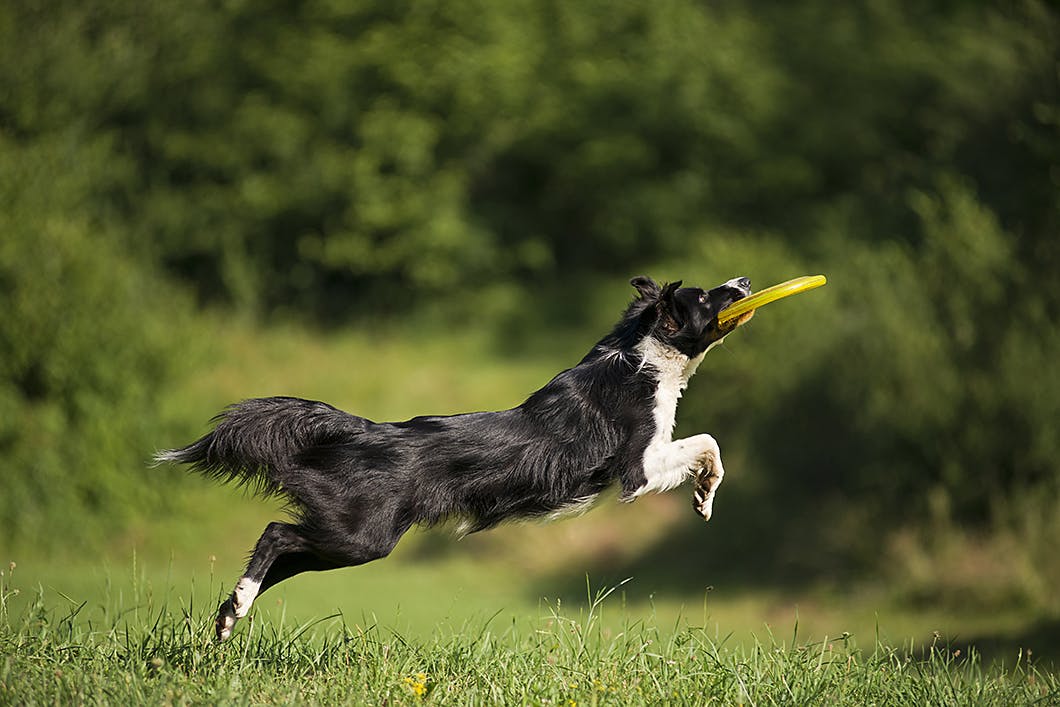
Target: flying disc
x=770 y=294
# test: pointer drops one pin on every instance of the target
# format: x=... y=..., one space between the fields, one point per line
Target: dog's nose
x=744 y=282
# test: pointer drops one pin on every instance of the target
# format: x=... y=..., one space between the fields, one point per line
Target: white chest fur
x=665 y=464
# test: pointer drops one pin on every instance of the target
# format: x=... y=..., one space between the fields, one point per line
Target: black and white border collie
x=356 y=486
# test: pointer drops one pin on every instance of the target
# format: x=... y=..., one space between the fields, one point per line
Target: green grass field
x=516 y=615
x=146 y=649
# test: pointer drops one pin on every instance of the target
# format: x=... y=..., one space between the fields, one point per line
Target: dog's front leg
x=669 y=464
x=708 y=476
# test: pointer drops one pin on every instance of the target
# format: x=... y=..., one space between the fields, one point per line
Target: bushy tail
x=256 y=442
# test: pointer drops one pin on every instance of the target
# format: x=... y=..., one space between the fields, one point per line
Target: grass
x=137 y=650
x=434 y=580
x=499 y=617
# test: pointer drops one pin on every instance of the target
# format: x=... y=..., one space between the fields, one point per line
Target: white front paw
x=707 y=481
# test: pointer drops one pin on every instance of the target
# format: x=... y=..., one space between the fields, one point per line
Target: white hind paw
x=236 y=606
x=245 y=593
x=226 y=620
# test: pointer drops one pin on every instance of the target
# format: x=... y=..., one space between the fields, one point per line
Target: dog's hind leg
x=278 y=540
x=285 y=550
x=287 y=566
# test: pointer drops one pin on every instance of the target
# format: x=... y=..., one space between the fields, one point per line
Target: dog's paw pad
x=703 y=502
x=226 y=621
x=708 y=479
x=703 y=494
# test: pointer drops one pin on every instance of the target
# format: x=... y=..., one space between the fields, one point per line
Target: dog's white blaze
x=245 y=592
x=666 y=462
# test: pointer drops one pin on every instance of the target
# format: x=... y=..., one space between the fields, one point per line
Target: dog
x=356 y=486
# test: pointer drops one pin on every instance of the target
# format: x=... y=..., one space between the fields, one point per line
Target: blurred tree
x=87 y=340
x=331 y=160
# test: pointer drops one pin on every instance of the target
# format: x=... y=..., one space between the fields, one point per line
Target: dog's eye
x=703 y=299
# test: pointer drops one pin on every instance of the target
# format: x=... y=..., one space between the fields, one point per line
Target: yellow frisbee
x=770 y=294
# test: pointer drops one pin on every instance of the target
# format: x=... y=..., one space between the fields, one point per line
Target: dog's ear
x=669 y=290
x=670 y=319
x=648 y=288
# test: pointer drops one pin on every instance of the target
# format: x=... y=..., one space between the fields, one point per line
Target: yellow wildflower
x=418 y=684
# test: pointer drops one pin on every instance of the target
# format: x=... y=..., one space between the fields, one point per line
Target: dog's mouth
x=729 y=326
x=743 y=318
x=741 y=289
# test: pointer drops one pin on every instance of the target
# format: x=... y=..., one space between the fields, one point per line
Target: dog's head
x=686 y=318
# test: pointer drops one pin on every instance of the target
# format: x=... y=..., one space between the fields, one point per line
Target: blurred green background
x=432 y=207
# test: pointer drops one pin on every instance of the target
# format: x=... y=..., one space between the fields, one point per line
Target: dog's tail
x=257 y=442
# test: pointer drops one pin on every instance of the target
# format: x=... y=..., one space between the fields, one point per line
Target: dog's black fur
x=357 y=486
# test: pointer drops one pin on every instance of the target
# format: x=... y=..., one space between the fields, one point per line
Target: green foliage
x=300 y=153
x=465 y=158
x=937 y=373
x=87 y=339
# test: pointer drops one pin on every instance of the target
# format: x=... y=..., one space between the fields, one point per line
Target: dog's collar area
x=669 y=363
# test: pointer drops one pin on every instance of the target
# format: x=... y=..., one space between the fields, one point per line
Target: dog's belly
x=574 y=508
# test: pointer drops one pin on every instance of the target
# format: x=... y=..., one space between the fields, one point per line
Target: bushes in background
x=330 y=161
